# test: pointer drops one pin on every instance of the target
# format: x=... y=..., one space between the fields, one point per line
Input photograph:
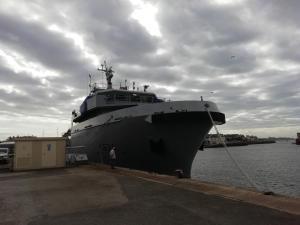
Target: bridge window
x=147 y=98
x=135 y=98
x=122 y=97
x=109 y=98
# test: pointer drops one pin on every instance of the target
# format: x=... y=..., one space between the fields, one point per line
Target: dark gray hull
x=170 y=142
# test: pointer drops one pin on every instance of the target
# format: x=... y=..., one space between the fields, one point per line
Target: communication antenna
x=109 y=74
x=146 y=87
x=90 y=81
x=72 y=117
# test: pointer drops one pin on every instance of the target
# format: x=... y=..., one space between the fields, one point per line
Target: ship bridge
x=107 y=100
x=101 y=101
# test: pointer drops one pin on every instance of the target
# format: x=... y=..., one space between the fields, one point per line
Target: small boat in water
x=149 y=133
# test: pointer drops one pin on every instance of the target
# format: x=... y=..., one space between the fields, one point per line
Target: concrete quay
x=99 y=195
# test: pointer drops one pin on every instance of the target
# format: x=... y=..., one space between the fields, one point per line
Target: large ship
x=149 y=133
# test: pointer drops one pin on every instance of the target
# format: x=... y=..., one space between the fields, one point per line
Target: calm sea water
x=273 y=167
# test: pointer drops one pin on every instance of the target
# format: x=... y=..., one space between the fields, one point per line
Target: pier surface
x=98 y=195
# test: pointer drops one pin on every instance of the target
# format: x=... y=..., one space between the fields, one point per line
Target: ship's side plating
x=158 y=137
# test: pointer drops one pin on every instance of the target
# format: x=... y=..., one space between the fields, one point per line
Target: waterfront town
x=214 y=140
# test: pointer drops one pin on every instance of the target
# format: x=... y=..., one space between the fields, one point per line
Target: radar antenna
x=108 y=73
x=146 y=87
x=90 y=82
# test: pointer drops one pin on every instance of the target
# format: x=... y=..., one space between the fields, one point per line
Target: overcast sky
x=243 y=55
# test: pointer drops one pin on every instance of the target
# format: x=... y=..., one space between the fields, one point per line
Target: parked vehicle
x=4 y=157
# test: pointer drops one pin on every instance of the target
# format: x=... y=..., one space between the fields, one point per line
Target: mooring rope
x=250 y=181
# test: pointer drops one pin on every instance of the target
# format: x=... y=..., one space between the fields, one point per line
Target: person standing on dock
x=112 y=157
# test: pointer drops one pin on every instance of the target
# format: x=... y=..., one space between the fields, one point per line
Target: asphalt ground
x=86 y=195
x=4 y=167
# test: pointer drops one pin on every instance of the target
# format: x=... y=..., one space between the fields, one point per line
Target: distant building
x=214 y=139
x=235 y=138
x=251 y=138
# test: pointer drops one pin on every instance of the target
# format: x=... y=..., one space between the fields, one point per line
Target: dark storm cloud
x=243 y=55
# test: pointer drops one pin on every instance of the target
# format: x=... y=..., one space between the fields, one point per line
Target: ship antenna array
x=108 y=73
x=90 y=82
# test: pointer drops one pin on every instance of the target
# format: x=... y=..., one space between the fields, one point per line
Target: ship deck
x=99 y=195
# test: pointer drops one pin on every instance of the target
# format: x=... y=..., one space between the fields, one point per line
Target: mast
x=90 y=82
x=108 y=73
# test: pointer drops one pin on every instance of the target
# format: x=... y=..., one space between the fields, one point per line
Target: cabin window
x=122 y=97
x=135 y=98
x=149 y=99
x=109 y=98
x=146 y=98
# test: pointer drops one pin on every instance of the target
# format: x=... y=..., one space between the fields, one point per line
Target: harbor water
x=273 y=167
